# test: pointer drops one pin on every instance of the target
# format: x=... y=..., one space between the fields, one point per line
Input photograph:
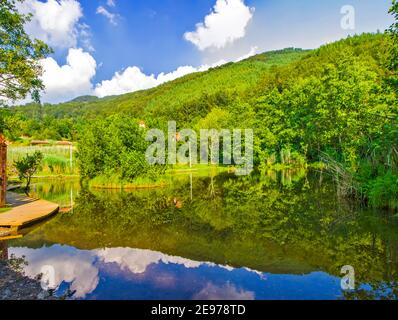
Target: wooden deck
x=28 y=214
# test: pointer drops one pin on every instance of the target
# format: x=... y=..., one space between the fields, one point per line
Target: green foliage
x=393 y=31
x=383 y=190
x=115 y=147
x=56 y=159
x=3 y=210
x=28 y=166
x=56 y=164
x=19 y=55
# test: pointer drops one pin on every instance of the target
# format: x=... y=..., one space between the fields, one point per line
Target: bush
x=28 y=166
x=383 y=191
x=113 y=147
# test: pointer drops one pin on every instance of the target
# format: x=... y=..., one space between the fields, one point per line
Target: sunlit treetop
x=20 y=69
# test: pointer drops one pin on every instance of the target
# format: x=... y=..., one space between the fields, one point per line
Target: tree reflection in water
x=276 y=222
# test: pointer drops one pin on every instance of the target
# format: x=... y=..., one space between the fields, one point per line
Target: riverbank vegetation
x=57 y=160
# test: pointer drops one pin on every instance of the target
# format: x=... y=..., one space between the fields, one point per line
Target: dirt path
x=15 y=199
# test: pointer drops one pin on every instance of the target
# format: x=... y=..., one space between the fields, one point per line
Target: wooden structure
x=3 y=170
x=64 y=143
x=39 y=143
x=28 y=214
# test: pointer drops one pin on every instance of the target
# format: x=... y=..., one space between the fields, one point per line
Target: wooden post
x=3 y=171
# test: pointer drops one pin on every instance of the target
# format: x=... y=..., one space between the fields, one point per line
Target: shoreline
x=14 y=285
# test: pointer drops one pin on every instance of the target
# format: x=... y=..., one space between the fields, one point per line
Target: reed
x=58 y=160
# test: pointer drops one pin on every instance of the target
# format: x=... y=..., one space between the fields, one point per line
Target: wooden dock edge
x=28 y=214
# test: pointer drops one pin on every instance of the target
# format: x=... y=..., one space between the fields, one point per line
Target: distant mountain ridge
x=86 y=98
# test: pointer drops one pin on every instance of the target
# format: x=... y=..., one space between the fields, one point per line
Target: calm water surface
x=269 y=236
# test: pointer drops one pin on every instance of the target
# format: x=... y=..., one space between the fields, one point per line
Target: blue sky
x=141 y=38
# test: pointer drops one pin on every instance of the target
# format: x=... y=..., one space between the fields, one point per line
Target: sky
x=109 y=47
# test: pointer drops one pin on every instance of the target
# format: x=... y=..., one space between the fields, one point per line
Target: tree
x=28 y=166
x=20 y=68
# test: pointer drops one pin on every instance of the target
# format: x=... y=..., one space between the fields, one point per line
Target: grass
x=3 y=210
x=57 y=159
x=114 y=182
x=198 y=167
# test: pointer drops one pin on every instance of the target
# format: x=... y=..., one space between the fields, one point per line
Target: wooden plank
x=27 y=214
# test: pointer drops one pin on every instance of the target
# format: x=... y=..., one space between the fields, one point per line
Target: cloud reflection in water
x=125 y=273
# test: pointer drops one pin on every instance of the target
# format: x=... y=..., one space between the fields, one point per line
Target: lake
x=274 y=235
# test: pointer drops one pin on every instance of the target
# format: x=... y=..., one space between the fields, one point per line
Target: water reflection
x=266 y=236
x=123 y=273
x=63 y=192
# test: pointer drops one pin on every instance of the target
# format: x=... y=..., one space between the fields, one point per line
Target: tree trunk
x=3 y=171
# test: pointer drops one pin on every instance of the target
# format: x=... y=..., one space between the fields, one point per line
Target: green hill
x=239 y=78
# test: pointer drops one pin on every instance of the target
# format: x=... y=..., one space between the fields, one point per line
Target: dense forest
x=337 y=104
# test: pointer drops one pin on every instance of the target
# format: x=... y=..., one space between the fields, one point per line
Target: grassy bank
x=58 y=160
x=3 y=210
x=114 y=182
x=144 y=182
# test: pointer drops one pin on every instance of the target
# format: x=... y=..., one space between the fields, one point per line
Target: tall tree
x=20 y=68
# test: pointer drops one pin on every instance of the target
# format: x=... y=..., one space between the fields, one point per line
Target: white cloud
x=133 y=79
x=111 y=3
x=70 y=80
x=85 y=36
x=110 y=16
x=253 y=51
x=226 y=23
x=54 y=21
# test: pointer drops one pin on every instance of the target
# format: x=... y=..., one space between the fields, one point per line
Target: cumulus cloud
x=225 y=24
x=133 y=79
x=69 y=80
x=54 y=21
x=110 y=16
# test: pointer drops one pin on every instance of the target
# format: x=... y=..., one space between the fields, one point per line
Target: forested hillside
x=181 y=99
